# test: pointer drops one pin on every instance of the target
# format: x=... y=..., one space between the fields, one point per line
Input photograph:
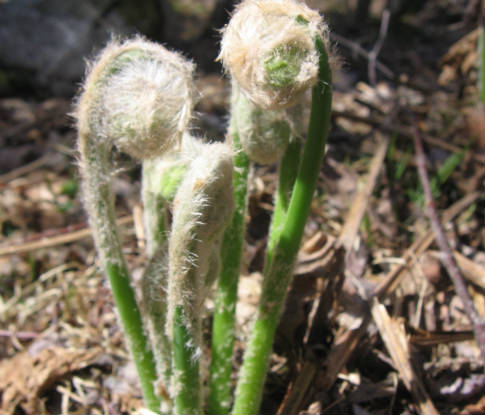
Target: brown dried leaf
x=24 y=377
x=458 y=60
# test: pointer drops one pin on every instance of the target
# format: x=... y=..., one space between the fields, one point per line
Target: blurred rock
x=44 y=43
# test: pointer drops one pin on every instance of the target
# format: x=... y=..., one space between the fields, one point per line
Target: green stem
x=287 y=175
x=161 y=180
x=185 y=333
x=100 y=198
x=279 y=272
x=203 y=208
x=155 y=278
x=133 y=327
x=186 y=341
x=185 y=367
x=154 y=300
x=220 y=385
x=155 y=209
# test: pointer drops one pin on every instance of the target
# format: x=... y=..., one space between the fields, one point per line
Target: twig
x=385 y=70
x=359 y=50
x=297 y=391
x=421 y=337
x=371 y=68
x=420 y=246
x=21 y=335
x=405 y=132
x=60 y=239
x=23 y=170
x=446 y=254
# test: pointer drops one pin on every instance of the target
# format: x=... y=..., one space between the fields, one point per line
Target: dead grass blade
x=359 y=205
x=394 y=336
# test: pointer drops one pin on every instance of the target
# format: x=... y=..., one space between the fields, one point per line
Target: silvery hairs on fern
x=202 y=208
x=270 y=53
x=137 y=97
x=195 y=183
x=161 y=179
x=275 y=51
x=268 y=49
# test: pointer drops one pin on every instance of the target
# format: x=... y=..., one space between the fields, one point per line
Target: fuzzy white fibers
x=138 y=96
x=162 y=177
x=264 y=134
x=201 y=211
x=262 y=29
